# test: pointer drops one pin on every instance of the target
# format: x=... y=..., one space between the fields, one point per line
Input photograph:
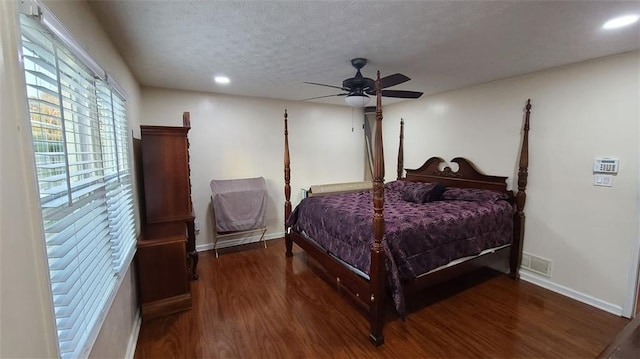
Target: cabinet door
x=165 y=159
x=162 y=276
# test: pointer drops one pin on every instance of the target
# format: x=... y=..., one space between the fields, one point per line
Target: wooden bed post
x=401 y=150
x=192 y=253
x=377 y=271
x=521 y=197
x=287 y=189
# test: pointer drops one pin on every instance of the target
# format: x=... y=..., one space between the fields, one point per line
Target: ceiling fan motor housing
x=361 y=86
x=358 y=85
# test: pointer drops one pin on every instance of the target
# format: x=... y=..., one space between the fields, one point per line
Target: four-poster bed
x=478 y=223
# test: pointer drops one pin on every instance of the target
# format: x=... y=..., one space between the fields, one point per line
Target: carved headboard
x=467 y=176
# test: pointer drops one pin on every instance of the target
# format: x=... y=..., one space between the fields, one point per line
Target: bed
x=421 y=229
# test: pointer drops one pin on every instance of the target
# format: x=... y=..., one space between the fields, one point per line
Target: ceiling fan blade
x=314 y=98
x=401 y=94
x=392 y=80
x=335 y=87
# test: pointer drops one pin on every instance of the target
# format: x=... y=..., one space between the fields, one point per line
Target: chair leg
x=215 y=244
x=264 y=241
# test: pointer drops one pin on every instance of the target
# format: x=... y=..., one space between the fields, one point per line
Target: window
x=81 y=149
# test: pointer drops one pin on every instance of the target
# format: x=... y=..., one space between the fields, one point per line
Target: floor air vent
x=536 y=264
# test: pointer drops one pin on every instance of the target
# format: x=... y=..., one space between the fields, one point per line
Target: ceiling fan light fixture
x=357 y=100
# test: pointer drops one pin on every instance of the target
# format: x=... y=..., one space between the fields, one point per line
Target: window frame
x=119 y=266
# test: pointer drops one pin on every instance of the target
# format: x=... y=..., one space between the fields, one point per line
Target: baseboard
x=568 y=292
x=133 y=340
x=238 y=241
x=165 y=306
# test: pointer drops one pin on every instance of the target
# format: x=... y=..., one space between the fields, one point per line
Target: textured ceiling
x=269 y=48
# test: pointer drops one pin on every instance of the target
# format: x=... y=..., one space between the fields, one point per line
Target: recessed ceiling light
x=221 y=79
x=620 y=22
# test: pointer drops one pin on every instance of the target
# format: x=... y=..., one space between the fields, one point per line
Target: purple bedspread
x=419 y=237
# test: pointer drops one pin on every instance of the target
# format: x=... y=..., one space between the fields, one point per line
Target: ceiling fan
x=357 y=88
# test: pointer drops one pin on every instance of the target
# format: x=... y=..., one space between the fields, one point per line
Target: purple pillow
x=473 y=194
x=422 y=192
x=397 y=186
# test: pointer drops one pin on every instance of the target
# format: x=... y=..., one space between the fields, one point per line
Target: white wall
x=27 y=327
x=239 y=137
x=580 y=112
x=119 y=334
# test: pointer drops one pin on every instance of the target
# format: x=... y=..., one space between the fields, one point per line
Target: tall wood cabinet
x=167 y=258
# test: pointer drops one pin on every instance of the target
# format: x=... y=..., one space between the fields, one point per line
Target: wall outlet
x=196 y=226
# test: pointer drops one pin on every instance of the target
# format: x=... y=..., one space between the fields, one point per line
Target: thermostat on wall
x=605 y=165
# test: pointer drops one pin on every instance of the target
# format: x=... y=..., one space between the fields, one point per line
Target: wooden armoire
x=166 y=256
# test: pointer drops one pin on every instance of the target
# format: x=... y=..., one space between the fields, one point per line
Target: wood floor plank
x=256 y=303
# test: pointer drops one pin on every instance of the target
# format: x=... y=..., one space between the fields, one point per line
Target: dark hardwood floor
x=626 y=344
x=256 y=303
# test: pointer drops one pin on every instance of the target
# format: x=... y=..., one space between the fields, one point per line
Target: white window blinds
x=81 y=149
